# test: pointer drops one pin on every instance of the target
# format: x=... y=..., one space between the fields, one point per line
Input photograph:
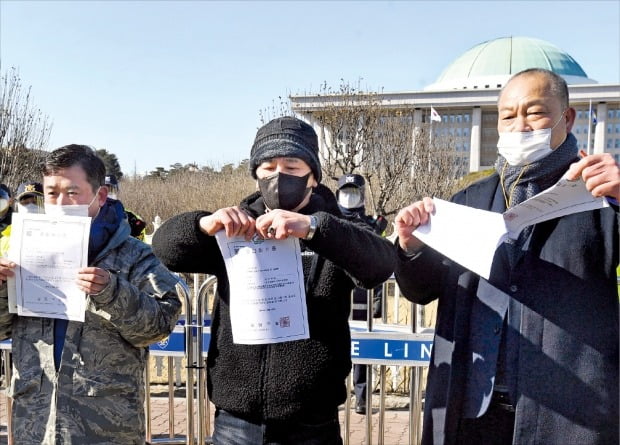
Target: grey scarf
x=533 y=178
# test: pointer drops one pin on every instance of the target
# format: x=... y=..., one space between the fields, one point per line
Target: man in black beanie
x=288 y=392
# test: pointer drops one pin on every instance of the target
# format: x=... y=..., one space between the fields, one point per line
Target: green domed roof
x=498 y=59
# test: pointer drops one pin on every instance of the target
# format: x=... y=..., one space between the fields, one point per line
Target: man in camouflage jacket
x=83 y=383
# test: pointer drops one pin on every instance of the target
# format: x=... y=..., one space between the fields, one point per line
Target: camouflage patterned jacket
x=97 y=396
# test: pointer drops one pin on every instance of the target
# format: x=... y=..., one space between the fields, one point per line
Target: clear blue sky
x=159 y=82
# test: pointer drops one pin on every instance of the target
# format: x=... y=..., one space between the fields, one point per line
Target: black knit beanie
x=286 y=137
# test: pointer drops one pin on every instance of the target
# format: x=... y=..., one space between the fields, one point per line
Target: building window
x=577 y=129
x=579 y=114
x=609 y=143
x=465 y=132
x=466 y=118
x=617 y=144
x=610 y=114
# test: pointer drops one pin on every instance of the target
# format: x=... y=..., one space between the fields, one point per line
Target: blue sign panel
x=381 y=347
x=173 y=345
x=386 y=351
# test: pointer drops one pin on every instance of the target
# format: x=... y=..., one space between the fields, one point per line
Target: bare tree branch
x=24 y=132
x=397 y=157
x=348 y=118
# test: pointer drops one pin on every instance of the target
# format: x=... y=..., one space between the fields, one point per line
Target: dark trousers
x=495 y=427
x=359 y=384
x=230 y=429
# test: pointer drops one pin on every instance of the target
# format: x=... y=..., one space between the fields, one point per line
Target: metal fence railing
x=383 y=346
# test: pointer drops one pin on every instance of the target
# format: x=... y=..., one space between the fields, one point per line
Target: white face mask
x=350 y=198
x=29 y=208
x=69 y=209
x=524 y=147
x=66 y=210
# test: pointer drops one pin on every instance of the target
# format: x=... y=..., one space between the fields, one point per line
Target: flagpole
x=430 y=136
x=589 y=127
x=413 y=141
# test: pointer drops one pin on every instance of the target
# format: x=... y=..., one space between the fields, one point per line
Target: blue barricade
x=173 y=345
x=385 y=345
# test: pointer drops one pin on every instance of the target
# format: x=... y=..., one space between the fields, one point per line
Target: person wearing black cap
x=137 y=224
x=351 y=197
x=29 y=197
x=288 y=392
x=111 y=184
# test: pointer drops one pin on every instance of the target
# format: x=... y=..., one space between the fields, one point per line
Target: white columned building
x=465 y=95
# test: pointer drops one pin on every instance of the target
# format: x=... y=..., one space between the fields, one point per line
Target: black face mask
x=282 y=191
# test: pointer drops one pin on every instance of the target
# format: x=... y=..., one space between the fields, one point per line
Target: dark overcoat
x=567 y=369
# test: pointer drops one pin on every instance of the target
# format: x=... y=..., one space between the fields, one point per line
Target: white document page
x=466 y=235
x=563 y=198
x=470 y=236
x=48 y=251
x=267 y=295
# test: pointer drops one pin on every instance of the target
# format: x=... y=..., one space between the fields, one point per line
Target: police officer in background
x=137 y=224
x=112 y=185
x=29 y=199
x=351 y=196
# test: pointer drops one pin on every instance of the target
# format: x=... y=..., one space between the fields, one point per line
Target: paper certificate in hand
x=267 y=295
x=48 y=251
x=470 y=236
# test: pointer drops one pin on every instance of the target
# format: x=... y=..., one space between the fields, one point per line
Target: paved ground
x=396 y=423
